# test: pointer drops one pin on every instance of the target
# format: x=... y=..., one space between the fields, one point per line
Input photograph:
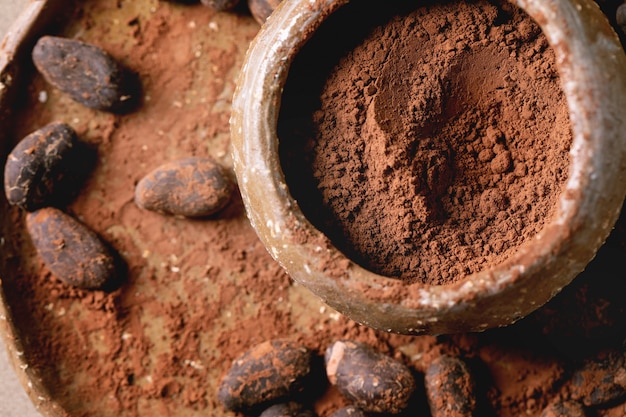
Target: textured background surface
x=13 y=400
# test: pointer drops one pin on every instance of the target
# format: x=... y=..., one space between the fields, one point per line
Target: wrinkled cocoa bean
x=87 y=73
x=349 y=411
x=190 y=187
x=220 y=5
x=373 y=381
x=267 y=373
x=601 y=381
x=46 y=167
x=262 y=9
x=72 y=251
x=290 y=409
x=450 y=388
x=564 y=409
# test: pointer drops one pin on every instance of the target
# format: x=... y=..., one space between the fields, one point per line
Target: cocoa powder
x=440 y=142
x=198 y=293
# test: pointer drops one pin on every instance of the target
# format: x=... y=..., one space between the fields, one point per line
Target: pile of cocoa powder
x=440 y=142
x=199 y=293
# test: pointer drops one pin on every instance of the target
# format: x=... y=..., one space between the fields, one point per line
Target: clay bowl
x=591 y=66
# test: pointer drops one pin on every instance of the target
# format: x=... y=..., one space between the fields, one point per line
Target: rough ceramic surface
x=588 y=207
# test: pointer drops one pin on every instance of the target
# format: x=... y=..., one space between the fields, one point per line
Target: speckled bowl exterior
x=591 y=64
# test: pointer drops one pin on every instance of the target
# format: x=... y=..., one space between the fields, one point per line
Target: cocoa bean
x=373 y=381
x=73 y=252
x=87 y=73
x=267 y=373
x=564 y=409
x=450 y=388
x=289 y=409
x=601 y=380
x=190 y=187
x=46 y=167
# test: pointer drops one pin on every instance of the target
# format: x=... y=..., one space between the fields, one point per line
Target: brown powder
x=440 y=142
x=198 y=293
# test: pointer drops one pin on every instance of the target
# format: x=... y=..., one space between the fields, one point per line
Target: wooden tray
x=181 y=315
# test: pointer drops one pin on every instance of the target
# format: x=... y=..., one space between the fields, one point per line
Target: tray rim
x=14 y=47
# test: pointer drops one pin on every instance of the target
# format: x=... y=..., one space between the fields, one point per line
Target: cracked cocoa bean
x=73 y=252
x=267 y=373
x=46 y=168
x=373 y=381
x=190 y=187
x=86 y=73
x=450 y=388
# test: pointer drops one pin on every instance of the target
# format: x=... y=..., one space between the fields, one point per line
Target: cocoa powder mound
x=437 y=145
x=198 y=293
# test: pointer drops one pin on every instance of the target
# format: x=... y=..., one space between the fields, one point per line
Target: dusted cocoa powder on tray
x=434 y=147
x=200 y=293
